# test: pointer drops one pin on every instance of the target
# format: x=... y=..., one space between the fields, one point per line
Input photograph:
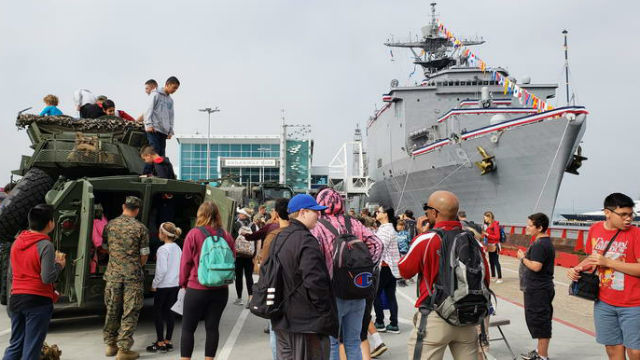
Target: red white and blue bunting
x=547 y=115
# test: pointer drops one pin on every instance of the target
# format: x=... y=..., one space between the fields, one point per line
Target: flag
x=506 y=86
x=391 y=52
x=483 y=66
x=413 y=72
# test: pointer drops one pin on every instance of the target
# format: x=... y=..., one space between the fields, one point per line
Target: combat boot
x=111 y=350
x=127 y=355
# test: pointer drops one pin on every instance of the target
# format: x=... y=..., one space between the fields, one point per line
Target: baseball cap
x=303 y=201
x=133 y=201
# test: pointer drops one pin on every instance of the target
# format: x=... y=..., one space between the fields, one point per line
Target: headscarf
x=332 y=200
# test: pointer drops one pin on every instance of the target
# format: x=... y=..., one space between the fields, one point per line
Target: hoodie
x=335 y=215
x=159 y=113
x=33 y=268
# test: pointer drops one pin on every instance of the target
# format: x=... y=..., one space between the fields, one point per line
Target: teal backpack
x=217 y=264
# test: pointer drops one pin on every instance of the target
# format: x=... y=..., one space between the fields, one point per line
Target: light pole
x=209 y=111
x=262 y=150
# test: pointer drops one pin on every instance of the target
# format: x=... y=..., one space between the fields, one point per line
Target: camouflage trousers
x=124 y=301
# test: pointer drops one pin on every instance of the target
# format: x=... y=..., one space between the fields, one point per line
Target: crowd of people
x=326 y=317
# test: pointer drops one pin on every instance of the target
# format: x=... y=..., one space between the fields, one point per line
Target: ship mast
x=437 y=49
x=566 y=64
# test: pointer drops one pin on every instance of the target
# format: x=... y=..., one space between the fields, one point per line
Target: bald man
x=423 y=258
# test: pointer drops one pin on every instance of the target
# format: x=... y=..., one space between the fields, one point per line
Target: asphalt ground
x=79 y=333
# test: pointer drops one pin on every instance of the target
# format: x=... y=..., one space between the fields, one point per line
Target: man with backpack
x=353 y=284
x=430 y=256
x=304 y=325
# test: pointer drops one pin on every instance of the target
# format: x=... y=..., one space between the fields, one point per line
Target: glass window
x=235 y=147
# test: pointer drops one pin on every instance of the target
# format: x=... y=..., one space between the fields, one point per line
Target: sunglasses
x=426 y=207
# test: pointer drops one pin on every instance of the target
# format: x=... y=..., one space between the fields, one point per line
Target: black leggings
x=388 y=285
x=198 y=305
x=495 y=264
x=163 y=300
x=244 y=265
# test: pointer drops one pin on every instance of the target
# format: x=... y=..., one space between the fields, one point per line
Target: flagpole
x=566 y=64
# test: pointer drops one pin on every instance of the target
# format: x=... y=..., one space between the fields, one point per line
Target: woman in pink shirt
x=201 y=302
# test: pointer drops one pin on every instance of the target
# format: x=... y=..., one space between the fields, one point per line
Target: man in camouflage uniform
x=128 y=241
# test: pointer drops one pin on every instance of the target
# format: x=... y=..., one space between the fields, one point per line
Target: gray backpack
x=460 y=295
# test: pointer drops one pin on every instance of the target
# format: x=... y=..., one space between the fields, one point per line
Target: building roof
x=228 y=139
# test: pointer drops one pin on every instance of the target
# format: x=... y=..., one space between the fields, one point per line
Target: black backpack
x=268 y=293
x=353 y=268
x=460 y=295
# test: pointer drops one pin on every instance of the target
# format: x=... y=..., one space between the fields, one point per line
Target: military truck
x=258 y=194
x=85 y=168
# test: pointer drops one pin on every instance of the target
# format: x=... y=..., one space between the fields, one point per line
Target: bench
x=496 y=321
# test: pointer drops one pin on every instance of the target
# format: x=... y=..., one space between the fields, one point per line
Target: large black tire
x=29 y=192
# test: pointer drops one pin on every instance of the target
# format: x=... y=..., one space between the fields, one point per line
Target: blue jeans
x=350 y=314
x=28 y=331
x=273 y=342
x=158 y=140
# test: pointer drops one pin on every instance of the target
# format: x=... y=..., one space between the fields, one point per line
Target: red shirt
x=493 y=233
x=424 y=258
x=616 y=288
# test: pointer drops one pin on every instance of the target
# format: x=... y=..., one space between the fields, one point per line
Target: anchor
x=487 y=164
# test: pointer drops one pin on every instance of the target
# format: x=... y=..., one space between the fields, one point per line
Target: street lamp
x=209 y=111
x=262 y=150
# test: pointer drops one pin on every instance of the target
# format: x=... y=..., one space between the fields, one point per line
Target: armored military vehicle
x=85 y=168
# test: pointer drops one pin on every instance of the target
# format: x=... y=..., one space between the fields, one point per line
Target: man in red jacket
x=34 y=267
x=423 y=258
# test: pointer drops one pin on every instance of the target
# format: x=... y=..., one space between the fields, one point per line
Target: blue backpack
x=503 y=235
x=217 y=263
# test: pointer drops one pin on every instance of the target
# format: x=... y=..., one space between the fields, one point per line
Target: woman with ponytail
x=165 y=285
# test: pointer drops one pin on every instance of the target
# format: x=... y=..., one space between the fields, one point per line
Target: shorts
x=538 y=312
x=617 y=325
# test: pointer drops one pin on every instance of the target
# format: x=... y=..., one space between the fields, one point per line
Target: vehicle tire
x=29 y=192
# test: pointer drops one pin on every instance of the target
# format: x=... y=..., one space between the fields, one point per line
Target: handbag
x=588 y=286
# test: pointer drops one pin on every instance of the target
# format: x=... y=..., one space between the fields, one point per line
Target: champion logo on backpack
x=353 y=267
x=363 y=280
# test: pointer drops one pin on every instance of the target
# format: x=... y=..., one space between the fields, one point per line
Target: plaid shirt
x=390 y=255
x=325 y=238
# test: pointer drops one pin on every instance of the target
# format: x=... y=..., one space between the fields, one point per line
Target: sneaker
x=111 y=350
x=499 y=281
x=393 y=329
x=238 y=302
x=127 y=355
x=379 y=350
x=537 y=357
x=531 y=355
x=380 y=327
x=169 y=346
x=155 y=347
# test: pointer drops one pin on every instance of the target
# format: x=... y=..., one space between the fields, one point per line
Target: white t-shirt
x=167 y=266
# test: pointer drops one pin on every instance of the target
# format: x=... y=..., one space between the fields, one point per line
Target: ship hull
x=530 y=162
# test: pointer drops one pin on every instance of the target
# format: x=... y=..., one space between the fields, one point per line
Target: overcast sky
x=321 y=61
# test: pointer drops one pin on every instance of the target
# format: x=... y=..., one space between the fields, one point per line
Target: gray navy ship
x=457 y=130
